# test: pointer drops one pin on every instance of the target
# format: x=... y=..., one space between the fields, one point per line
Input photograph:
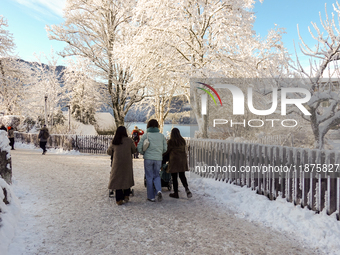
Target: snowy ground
x=66 y=210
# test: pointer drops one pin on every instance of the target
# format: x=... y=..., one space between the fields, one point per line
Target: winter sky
x=27 y=20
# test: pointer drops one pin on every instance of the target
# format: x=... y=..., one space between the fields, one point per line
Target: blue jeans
x=153 y=179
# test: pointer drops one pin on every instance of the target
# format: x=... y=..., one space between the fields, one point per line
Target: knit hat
x=136 y=127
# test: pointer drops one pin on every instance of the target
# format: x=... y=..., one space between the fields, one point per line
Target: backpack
x=135 y=136
x=45 y=134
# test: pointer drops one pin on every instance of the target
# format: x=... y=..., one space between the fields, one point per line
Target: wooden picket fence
x=275 y=140
x=97 y=144
x=309 y=178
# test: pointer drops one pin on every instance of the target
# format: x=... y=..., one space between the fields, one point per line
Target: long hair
x=152 y=123
x=175 y=138
x=120 y=133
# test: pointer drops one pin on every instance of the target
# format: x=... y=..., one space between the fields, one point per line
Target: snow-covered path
x=66 y=210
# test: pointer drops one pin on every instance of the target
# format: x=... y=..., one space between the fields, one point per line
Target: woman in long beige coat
x=121 y=178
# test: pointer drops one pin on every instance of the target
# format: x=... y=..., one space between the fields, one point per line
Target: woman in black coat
x=178 y=163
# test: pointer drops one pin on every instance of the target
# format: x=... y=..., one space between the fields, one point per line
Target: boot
x=174 y=195
x=159 y=196
x=189 y=194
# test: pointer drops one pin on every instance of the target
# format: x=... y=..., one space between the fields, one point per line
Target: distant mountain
x=143 y=112
x=59 y=69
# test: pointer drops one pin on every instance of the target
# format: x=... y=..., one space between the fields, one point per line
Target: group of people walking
x=43 y=136
x=155 y=148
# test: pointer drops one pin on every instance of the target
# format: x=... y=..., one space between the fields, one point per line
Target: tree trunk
x=119 y=119
x=161 y=118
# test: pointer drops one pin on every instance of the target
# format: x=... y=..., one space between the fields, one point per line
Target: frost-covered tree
x=96 y=30
x=323 y=76
x=45 y=88
x=83 y=92
x=6 y=38
x=203 y=39
x=161 y=92
x=12 y=73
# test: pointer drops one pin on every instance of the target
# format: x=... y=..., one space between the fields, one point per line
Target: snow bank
x=104 y=121
x=64 y=152
x=83 y=129
x=320 y=231
x=4 y=142
x=9 y=215
x=19 y=145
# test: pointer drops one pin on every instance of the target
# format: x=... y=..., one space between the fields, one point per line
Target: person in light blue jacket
x=153 y=159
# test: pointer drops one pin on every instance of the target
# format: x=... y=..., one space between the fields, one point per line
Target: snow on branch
x=324 y=83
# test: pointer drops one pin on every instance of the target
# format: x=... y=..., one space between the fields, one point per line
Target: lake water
x=183 y=129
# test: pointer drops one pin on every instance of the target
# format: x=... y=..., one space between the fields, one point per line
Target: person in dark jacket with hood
x=43 y=136
x=178 y=163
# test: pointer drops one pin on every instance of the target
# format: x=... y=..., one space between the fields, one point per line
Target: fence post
x=243 y=163
x=318 y=185
x=228 y=160
x=304 y=178
x=232 y=163
x=237 y=163
x=256 y=164
x=288 y=176
x=224 y=159
x=271 y=174
x=337 y=203
x=265 y=173
x=331 y=183
x=312 y=185
x=260 y=172
x=248 y=163
x=276 y=175
x=297 y=192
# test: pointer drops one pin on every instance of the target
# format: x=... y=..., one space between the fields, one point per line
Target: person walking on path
x=43 y=136
x=121 y=176
x=10 y=132
x=136 y=133
x=178 y=162
x=153 y=159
